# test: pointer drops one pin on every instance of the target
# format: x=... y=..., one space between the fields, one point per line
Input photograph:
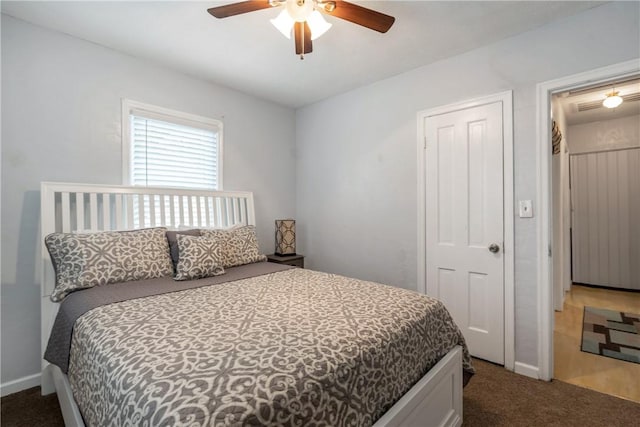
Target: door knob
x=494 y=248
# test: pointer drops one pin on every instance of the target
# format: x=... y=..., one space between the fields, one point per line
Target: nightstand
x=294 y=260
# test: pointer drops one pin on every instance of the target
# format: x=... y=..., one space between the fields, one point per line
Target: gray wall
x=61 y=122
x=357 y=168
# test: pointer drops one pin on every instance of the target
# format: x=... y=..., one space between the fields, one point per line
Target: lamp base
x=279 y=254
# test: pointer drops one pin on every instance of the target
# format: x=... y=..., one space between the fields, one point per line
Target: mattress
x=288 y=347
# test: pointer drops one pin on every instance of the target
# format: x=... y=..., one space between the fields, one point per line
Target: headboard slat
x=119 y=214
x=163 y=218
x=172 y=210
x=152 y=209
x=225 y=211
x=236 y=211
x=199 y=213
x=190 y=209
x=208 y=211
x=181 y=211
x=66 y=212
x=80 y=211
x=93 y=210
x=106 y=211
x=129 y=209
x=217 y=211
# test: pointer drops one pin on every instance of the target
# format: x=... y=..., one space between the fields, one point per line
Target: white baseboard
x=527 y=370
x=20 y=384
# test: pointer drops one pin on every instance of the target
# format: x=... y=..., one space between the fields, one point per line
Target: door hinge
x=549 y=251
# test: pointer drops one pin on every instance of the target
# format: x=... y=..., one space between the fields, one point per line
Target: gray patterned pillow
x=173 y=243
x=86 y=260
x=240 y=245
x=199 y=257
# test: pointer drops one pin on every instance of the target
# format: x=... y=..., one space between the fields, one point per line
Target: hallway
x=571 y=365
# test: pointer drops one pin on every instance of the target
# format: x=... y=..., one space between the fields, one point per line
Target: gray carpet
x=493 y=398
x=497 y=397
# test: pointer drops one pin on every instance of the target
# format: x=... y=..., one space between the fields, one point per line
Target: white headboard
x=68 y=207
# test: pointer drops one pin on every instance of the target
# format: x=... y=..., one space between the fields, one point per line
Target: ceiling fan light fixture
x=299 y=10
x=317 y=24
x=612 y=100
x=303 y=19
x=284 y=23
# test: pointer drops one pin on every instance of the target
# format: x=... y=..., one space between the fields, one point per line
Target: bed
x=262 y=344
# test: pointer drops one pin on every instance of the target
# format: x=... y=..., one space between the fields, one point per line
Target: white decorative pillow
x=199 y=257
x=86 y=260
x=240 y=245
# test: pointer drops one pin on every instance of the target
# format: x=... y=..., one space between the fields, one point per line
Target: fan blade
x=362 y=16
x=238 y=8
x=303 y=36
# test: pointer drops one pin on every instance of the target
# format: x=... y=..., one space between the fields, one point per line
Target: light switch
x=526 y=209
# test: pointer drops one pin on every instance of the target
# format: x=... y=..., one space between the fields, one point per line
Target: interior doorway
x=595 y=187
x=595 y=169
x=545 y=224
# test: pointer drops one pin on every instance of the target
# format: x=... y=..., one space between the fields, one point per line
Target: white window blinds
x=173 y=151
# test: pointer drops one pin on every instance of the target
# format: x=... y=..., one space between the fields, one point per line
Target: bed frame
x=435 y=400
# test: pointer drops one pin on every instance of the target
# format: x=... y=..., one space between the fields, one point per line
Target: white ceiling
x=247 y=53
x=569 y=102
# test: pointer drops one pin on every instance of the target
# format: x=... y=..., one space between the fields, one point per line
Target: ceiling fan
x=303 y=17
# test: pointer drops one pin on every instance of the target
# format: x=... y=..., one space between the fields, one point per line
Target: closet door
x=605 y=201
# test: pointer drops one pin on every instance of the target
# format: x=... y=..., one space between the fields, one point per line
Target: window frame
x=168 y=115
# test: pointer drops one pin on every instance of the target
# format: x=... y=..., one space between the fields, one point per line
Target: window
x=169 y=148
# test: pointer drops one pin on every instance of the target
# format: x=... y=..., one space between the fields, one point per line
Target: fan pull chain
x=300 y=4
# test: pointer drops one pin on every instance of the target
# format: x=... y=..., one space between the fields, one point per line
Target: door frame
x=545 y=91
x=508 y=180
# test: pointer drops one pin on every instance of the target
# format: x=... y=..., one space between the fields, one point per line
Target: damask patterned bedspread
x=291 y=348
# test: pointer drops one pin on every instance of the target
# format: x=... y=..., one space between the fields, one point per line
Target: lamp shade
x=317 y=24
x=285 y=237
x=284 y=23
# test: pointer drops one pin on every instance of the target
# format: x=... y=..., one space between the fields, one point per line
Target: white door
x=464 y=223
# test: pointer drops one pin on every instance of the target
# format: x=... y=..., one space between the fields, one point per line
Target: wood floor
x=604 y=374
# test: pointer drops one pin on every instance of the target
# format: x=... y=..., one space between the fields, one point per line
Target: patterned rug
x=611 y=333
